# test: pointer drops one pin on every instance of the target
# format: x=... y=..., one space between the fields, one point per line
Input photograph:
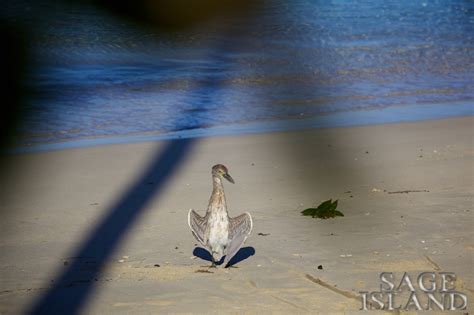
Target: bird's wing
x=239 y=229
x=198 y=225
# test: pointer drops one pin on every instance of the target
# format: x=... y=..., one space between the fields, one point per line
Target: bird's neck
x=217 y=201
x=217 y=183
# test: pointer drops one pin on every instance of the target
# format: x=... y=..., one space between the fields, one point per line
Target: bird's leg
x=229 y=266
x=213 y=265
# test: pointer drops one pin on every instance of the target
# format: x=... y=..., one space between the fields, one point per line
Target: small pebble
x=156 y=265
x=121 y=260
x=320 y=267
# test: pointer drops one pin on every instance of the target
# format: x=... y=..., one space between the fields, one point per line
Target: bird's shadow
x=242 y=254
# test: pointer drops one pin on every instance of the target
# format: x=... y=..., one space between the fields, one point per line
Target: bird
x=220 y=234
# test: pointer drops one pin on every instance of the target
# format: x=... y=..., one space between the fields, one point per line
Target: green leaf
x=325 y=205
x=325 y=210
x=309 y=211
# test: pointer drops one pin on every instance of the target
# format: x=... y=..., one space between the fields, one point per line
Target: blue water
x=289 y=65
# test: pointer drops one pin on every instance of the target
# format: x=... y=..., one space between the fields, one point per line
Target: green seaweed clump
x=325 y=210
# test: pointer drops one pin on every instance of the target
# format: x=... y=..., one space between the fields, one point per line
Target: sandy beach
x=406 y=191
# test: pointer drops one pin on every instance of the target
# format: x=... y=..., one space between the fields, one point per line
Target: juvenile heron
x=219 y=233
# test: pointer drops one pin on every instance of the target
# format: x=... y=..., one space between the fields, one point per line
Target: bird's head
x=222 y=172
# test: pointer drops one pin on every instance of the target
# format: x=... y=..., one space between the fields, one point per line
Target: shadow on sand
x=242 y=254
x=73 y=286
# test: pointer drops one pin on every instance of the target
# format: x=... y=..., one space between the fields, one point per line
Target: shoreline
x=387 y=115
x=54 y=202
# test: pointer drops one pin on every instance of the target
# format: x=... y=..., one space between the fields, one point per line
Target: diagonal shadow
x=73 y=287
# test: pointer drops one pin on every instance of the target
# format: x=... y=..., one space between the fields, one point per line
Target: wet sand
x=405 y=189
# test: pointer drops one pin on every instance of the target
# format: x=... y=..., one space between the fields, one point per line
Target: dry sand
x=51 y=201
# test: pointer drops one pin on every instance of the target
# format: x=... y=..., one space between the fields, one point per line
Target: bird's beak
x=229 y=178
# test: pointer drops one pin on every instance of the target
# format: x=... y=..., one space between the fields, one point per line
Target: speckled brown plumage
x=219 y=233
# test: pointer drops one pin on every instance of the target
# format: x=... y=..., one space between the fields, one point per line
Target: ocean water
x=287 y=65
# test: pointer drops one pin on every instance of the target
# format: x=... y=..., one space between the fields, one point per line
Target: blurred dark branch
x=14 y=63
x=173 y=15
